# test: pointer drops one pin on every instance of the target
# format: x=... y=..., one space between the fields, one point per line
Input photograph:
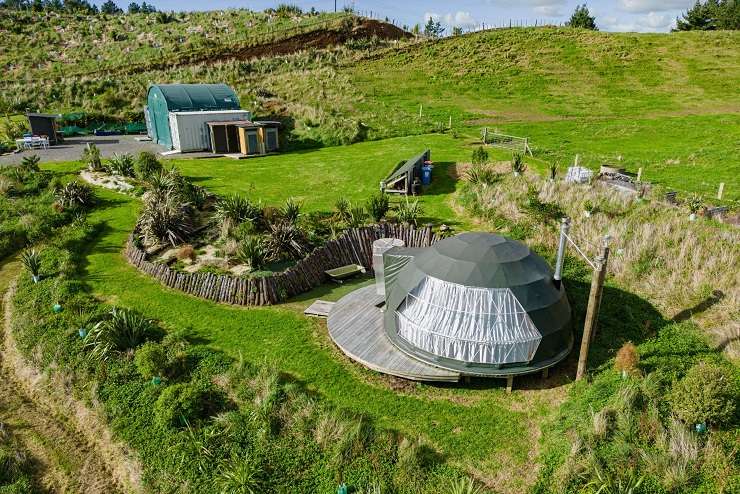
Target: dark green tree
x=109 y=7
x=433 y=29
x=134 y=8
x=582 y=18
x=710 y=15
x=457 y=31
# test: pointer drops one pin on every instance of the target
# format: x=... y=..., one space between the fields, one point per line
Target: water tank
x=380 y=246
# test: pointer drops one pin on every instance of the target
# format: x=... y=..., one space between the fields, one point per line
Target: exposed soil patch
x=321 y=39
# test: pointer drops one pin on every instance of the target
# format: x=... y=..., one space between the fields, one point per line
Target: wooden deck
x=356 y=326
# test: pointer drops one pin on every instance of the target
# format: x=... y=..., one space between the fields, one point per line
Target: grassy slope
x=647 y=98
x=479 y=427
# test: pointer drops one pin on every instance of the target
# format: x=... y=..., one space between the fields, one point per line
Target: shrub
x=553 y=169
x=378 y=206
x=147 y=165
x=707 y=393
x=91 y=158
x=30 y=164
x=241 y=476
x=185 y=403
x=409 y=212
x=480 y=156
x=186 y=252
x=291 y=211
x=75 y=194
x=286 y=239
x=480 y=175
x=7 y=185
x=165 y=218
x=235 y=209
x=31 y=260
x=123 y=330
x=694 y=203
x=251 y=251
x=627 y=359
x=151 y=360
x=121 y=164
x=342 y=209
x=464 y=485
x=356 y=217
x=517 y=163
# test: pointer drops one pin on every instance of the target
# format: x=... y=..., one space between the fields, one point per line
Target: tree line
x=77 y=7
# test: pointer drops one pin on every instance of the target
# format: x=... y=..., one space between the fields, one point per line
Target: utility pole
x=335 y=6
x=592 y=312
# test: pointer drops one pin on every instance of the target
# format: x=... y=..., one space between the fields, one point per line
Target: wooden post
x=545 y=373
x=639 y=174
x=721 y=190
x=592 y=312
x=485 y=135
x=420 y=110
x=449 y=126
x=577 y=160
x=509 y=383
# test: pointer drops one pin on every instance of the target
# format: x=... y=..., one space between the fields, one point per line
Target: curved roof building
x=476 y=303
x=165 y=98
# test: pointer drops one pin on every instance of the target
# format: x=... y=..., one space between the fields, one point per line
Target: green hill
x=668 y=103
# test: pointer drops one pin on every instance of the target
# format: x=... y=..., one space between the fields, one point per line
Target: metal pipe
x=564 y=228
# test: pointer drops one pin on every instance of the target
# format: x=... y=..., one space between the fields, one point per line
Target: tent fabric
x=481 y=325
x=476 y=302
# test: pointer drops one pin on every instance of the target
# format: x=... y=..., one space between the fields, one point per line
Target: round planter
x=692 y=217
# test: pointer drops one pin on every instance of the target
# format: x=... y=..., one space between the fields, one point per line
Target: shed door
x=272 y=142
x=252 y=143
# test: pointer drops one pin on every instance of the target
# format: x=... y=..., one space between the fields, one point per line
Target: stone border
x=353 y=247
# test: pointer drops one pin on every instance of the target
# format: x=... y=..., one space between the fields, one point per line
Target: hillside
x=665 y=102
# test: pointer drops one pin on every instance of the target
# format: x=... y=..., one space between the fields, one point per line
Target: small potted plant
x=31 y=260
x=588 y=208
x=694 y=204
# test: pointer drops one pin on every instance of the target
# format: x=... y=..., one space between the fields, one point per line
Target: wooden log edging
x=354 y=246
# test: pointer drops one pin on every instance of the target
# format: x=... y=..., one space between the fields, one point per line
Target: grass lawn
x=477 y=426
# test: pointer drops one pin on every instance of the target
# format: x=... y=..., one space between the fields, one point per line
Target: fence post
x=721 y=190
x=485 y=135
x=639 y=174
x=420 y=110
x=592 y=311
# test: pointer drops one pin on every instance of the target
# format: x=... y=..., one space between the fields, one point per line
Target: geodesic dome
x=478 y=303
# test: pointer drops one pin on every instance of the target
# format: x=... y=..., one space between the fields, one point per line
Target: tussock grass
x=685 y=268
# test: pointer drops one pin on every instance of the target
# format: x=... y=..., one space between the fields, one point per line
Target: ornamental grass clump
x=480 y=156
x=377 y=205
x=409 y=212
x=517 y=164
x=121 y=164
x=234 y=209
x=165 y=218
x=480 y=175
x=91 y=158
x=121 y=331
x=75 y=195
x=147 y=165
x=31 y=260
x=252 y=252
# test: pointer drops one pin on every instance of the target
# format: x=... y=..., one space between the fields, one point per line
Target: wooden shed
x=225 y=136
x=258 y=137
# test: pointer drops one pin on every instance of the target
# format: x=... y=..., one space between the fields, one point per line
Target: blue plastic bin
x=426 y=175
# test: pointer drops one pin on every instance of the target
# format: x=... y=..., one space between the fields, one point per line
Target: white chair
x=27 y=142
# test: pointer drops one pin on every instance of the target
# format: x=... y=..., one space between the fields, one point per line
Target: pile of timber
x=355 y=246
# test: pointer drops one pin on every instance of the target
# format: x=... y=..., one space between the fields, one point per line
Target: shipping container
x=190 y=130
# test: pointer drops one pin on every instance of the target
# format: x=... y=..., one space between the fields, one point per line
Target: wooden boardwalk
x=356 y=326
